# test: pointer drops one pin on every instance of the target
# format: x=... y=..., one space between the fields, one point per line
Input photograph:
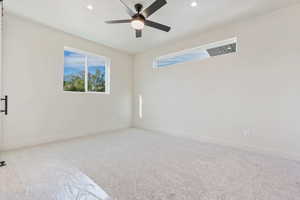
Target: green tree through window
x=78 y=67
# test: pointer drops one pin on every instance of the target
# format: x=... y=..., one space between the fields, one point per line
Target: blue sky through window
x=199 y=53
x=183 y=57
x=94 y=64
x=82 y=76
x=74 y=63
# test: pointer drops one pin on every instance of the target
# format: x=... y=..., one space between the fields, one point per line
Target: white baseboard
x=259 y=150
x=13 y=147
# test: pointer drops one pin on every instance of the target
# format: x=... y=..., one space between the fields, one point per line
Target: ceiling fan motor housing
x=139 y=17
x=138 y=7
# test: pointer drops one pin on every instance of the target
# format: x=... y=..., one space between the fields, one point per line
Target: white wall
x=39 y=110
x=254 y=92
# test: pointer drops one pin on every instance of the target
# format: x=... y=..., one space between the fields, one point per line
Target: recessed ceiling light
x=90 y=7
x=193 y=3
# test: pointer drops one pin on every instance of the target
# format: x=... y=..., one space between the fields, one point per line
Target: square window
x=85 y=72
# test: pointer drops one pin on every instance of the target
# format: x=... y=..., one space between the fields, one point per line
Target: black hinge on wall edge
x=5 y=99
x=2 y=163
x=2 y=9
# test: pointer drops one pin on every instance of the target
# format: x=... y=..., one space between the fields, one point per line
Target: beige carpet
x=140 y=165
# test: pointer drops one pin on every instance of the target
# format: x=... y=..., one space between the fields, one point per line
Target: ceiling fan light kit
x=139 y=18
x=137 y=24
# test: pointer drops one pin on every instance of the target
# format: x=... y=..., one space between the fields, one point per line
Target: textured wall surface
x=248 y=99
x=39 y=110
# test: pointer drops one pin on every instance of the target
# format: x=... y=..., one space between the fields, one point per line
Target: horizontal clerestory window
x=198 y=53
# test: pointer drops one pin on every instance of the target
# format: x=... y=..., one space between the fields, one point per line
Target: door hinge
x=2 y=8
x=5 y=99
x=2 y=163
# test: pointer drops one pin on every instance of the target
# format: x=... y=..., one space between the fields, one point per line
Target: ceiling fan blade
x=138 y=33
x=157 y=25
x=118 y=21
x=130 y=12
x=154 y=7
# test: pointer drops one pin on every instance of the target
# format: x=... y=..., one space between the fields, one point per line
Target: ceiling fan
x=139 y=18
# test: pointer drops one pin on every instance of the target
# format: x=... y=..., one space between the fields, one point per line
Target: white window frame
x=107 y=71
x=202 y=47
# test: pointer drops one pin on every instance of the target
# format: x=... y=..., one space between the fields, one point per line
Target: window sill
x=83 y=93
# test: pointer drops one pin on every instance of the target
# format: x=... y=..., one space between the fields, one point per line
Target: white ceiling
x=73 y=17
